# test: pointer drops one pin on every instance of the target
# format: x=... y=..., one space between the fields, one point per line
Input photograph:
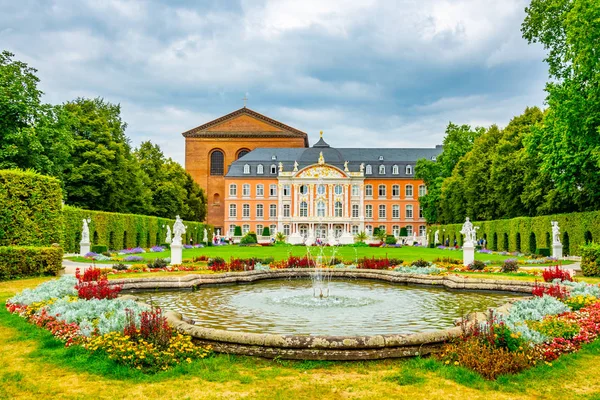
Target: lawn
x=406 y=253
x=35 y=365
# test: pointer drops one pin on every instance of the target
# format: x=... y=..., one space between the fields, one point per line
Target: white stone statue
x=362 y=167
x=178 y=230
x=85 y=231
x=218 y=232
x=295 y=166
x=555 y=233
x=436 y=237
x=168 y=238
x=280 y=166
x=469 y=232
x=205 y=238
x=346 y=166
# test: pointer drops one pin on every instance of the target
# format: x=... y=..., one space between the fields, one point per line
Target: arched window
x=320 y=209
x=396 y=190
x=409 y=230
x=338 y=189
x=259 y=169
x=246 y=168
x=337 y=209
x=368 y=190
x=369 y=229
x=382 y=170
x=408 y=170
x=259 y=211
x=273 y=168
x=241 y=153
x=369 y=170
x=321 y=189
x=422 y=230
x=233 y=190
x=260 y=190
x=303 y=209
x=303 y=189
x=246 y=211
x=422 y=190
x=232 y=211
x=216 y=162
x=246 y=189
x=409 y=211
x=395 y=170
x=409 y=190
x=381 y=191
x=382 y=211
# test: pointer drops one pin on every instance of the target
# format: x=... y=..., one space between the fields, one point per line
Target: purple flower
x=91 y=254
x=188 y=246
x=157 y=249
x=133 y=258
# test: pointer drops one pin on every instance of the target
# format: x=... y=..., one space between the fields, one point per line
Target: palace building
x=260 y=173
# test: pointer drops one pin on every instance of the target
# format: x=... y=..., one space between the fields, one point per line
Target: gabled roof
x=275 y=128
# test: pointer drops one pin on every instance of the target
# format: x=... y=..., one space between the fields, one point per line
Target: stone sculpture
x=178 y=230
x=168 y=238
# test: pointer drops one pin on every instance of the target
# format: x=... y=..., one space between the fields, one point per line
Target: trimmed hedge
x=590 y=259
x=576 y=230
x=99 y=248
x=30 y=209
x=22 y=261
x=120 y=231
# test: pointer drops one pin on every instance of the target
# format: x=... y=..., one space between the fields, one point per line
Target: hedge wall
x=30 y=209
x=21 y=261
x=529 y=233
x=119 y=231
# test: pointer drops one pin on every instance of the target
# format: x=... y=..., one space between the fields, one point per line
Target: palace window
x=368 y=211
x=420 y=212
x=395 y=190
x=273 y=229
x=381 y=191
x=259 y=211
x=382 y=228
x=233 y=190
x=246 y=168
x=231 y=230
x=321 y=189
x=242 y=153
x=273 y=168
x=422 y=230
x=260 y=190
x=355 y=190
x=369 y=170
x=409 y=170
x=246 y=211
x=354 y=210
x=320 y=209
x=259 y=229
x=286 y=190
x=382 y=170
x=286 y=210
x=382 y=211
x=409 y=191
x=232 y=211
x=259 y=169
x=395 y=170
x=369 y=229
x=355 y=229
x=245 y=229
x=286 y=230
x=273 y=211
x=369 y=190
x=422 y=190
x=396 y=211
x=396 y=230
x=246 y=190
x=303 y=189
x=216 y=162
x=409 y=211
x=338 y=189
x=409 y=230
x=337 y=208
x=303 y=209
x=272 y=190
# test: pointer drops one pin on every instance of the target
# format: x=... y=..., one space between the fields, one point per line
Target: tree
x=568 y=141
x=34 y=134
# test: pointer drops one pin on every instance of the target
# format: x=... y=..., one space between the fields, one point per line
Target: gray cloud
x=369 y=73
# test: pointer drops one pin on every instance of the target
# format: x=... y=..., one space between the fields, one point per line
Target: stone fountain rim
x=322 y=347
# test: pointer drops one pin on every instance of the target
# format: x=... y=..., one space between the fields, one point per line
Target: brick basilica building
x=258 y=172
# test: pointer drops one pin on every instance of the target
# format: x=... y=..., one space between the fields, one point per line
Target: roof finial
x=245 y=100
x=321 y=133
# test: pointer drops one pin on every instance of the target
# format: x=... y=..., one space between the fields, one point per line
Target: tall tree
x=569 y=139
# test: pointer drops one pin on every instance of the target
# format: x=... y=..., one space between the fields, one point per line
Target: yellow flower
x=447 y=362
x=455 y=362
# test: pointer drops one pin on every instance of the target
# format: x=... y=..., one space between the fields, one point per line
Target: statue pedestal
x=557 y=251
x=295 y=238
x=176 y=254
x=84 y=248
x=468 y=253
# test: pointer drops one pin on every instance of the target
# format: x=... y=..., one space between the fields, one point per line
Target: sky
x=368 y=73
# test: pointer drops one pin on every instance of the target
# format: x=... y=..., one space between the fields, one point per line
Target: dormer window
x=433 y=158
x=246 y=168
x=369 y=170
x=273 y=168
x=259 y=169
x=380 y=158
x=408 y=170
x=273 y=157
x=382 y=170
x=395 y=170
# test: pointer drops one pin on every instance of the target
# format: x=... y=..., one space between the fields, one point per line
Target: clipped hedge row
x=30 y=209
x=120 y=231
x=526 y=234
x=590 y=260
x=21 y=261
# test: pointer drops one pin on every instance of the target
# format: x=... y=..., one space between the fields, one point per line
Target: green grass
x=407 y=253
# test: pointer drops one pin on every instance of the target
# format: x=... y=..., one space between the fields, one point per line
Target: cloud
x=367 y=72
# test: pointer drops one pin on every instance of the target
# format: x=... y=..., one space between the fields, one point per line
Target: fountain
x=320 y=274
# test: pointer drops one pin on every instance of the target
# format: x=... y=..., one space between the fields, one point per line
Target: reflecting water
x=353 y=308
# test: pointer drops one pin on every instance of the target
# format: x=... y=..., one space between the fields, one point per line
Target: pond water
x=357 y=307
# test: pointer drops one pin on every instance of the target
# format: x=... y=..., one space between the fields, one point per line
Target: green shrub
x=157 y=263
x=120 y=267
x=390 y=239
x=237 y=231
x=249 y=238
x=403 y=232
x=30 y=209
x=99 y=248
x=476 y=265
x=543 y=251
x=21 y=261
x=266 y=231
x=590 y=259
x=420 y=263
x=510 y=265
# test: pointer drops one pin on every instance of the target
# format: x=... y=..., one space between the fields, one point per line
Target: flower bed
x=84 y=310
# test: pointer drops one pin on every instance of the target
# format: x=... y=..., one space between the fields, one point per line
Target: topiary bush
x=510 y=265
x=237 y=231
x=403 y=231
x=30 y=209
x=543 y=251
x=159 y=263
x=22 y=261
x=99 y=248
x=266 y=231
x=249 y=238
x=590 y=259
x=390 y=239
